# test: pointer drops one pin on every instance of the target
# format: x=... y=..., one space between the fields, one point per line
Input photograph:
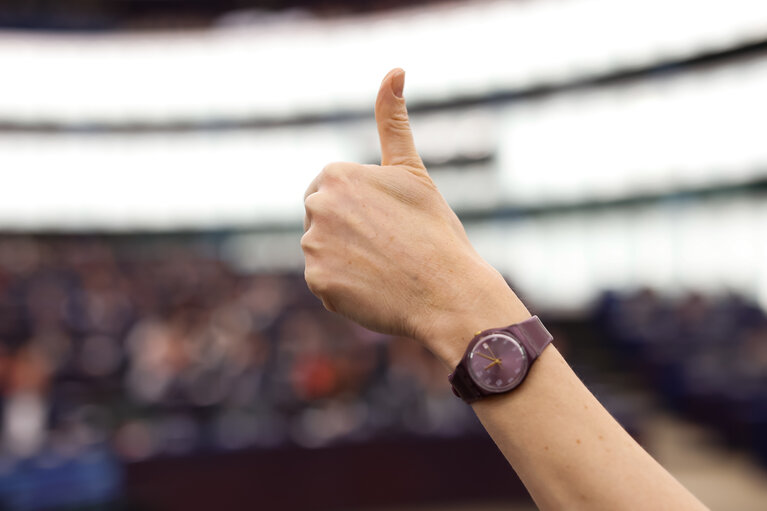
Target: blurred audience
x=125 y=349
x=705 y=357
x=168 y=350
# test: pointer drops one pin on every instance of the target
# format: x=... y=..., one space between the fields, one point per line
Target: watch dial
x=497 y=362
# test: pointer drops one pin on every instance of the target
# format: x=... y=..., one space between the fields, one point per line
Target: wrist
x=489 y=304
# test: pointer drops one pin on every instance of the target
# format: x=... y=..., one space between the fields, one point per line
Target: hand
x=384 y=249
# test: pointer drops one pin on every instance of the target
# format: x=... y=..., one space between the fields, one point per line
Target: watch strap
x=463 y=386
x=532 y=334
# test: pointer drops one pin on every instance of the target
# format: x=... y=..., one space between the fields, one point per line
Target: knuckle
x=307 y=243
x=314 y=203
x=321 y=286
x=313 y=186
x=342 y=172
x=335 y=170
x=310 y=276
x=311 y=243
x=315 y=280
x=328 y=304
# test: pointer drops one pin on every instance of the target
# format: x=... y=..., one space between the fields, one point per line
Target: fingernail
x=398 y=84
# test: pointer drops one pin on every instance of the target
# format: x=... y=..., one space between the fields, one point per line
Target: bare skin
x=384 y=249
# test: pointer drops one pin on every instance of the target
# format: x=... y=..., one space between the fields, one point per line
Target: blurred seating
x=705 y=357
x=168 y=351
x=121 y=357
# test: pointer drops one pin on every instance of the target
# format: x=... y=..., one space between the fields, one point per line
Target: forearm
x=569 y=452
x=566 y=448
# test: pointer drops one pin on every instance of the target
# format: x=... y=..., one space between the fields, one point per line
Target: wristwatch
x=497 y=360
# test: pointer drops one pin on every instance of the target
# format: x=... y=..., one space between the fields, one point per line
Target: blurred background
x=159 y=349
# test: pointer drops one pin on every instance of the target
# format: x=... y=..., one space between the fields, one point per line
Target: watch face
x=497 y=362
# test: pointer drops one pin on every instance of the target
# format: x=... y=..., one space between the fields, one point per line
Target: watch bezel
x=520 y=378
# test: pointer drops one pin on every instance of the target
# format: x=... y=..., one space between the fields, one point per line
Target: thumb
x=397 y=146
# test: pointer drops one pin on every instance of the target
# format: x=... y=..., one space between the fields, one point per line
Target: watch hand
x=489 y=358
x=491 y=352
x=496 y=361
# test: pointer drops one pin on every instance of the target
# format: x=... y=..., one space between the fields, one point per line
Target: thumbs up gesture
x=384 y=249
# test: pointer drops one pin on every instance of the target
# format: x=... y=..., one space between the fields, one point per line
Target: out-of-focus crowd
x=155 y=348
x=706 y=357
x=122 y=349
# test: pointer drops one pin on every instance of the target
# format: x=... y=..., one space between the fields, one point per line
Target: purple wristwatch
x=497 y=360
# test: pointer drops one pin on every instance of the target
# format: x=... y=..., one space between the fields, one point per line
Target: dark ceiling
x=78 y=15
